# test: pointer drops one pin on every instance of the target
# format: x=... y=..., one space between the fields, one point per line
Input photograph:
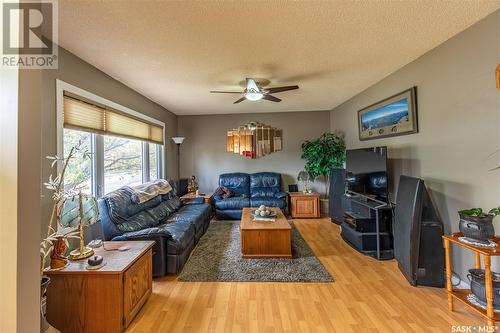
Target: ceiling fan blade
x=226 y=92
x=280 y=89
x=240 y=100
x=271 y=98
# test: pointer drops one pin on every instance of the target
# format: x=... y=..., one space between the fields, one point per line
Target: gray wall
x=459 y=120
x=203 y=153
x=77 y=72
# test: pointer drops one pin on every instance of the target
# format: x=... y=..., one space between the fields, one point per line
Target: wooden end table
x=461 y=294
x=304 y=205
x=206 y=196
x=265 y=239
x=207 y=199
x=103 y=300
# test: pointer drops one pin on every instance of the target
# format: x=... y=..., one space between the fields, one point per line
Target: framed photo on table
x=393 y=116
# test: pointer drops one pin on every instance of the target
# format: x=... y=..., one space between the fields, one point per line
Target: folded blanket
x=147 y=191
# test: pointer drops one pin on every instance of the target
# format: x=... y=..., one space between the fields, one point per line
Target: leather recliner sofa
x=251 y=190
x=175 y=226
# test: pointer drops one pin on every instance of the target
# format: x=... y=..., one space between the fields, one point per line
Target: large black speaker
x=418 y=245
x=183 y=186
x=337 y=191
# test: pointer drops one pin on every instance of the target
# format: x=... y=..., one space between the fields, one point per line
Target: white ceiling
x=175 y=52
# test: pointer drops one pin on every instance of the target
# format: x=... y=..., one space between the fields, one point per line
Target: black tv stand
x=367 y=225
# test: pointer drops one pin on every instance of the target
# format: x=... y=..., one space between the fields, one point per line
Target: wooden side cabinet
x=304 y=206
x=103 y=300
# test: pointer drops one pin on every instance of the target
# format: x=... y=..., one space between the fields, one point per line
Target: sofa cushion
x=134 y=208
x=164 y=209
x=127 y=215
x=265 y=184
x=233 y=203
x=237 y=182
x=193 y=214
x=181 y=235
x=266 y=201
x=121 y=205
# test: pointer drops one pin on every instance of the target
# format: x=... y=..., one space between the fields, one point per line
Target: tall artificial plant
x=59 y=192
x=324 y=154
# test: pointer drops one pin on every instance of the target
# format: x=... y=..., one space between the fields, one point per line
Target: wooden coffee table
x=265 y=239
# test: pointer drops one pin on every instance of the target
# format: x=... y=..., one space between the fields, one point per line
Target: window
x=78 y=173
x=154 y=159
x=122 y=163
x=126 y=147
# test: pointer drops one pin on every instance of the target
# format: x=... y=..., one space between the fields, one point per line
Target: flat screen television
x=367 y=172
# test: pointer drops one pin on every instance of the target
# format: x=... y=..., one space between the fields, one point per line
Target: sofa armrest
x=159 y=250
x=217 y=197
x=143 y=234
x=109 y=229
x=280 y=195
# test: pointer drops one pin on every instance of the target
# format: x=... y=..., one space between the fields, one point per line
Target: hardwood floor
x=367 y=296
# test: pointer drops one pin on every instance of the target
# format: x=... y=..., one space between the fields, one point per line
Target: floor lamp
x=178 y=140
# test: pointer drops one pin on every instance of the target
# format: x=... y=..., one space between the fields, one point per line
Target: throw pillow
x=219 y=191
x=224 y=192
x=228 y=193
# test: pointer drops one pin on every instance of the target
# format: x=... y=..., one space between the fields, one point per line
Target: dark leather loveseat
x=174 y=225
x=251 y=190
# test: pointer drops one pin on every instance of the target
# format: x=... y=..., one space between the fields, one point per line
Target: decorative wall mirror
x=254 y=140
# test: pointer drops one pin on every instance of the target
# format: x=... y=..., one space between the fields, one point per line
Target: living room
x=255 y=100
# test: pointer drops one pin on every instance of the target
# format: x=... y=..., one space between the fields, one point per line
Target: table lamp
x=79 y=211
x=304 y=177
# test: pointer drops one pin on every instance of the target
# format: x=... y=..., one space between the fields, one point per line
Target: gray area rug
x=217 y=257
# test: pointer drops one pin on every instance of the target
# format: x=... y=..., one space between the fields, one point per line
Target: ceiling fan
x=253 y=92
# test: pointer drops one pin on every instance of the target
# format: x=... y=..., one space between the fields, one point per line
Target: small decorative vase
x=57 y=258
x=477 y=227
x=477 y=285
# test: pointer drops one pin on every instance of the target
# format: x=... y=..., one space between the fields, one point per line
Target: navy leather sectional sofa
x=251 y=190
x=175 y=226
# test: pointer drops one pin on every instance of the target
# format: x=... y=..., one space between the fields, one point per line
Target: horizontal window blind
x=90 y=117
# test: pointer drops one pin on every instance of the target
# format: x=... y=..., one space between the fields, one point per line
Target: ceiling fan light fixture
x=254 y=96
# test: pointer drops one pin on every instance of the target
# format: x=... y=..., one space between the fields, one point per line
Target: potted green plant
x=476 y=224
x=322 y=155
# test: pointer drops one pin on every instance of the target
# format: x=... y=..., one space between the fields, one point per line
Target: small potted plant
x=478 y=225
x=322 y=155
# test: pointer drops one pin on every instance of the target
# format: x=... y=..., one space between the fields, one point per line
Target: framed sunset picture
x=395 y=115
